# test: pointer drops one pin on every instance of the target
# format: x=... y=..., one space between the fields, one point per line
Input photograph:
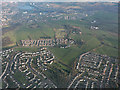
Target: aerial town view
x=59 y=45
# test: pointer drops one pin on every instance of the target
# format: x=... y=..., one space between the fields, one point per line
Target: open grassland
x=25 y=32
x=92 y=38
x=34 y=33
x=26 y=49
x=106 y=50
x=68 y=55
x=107 y=21
x=107 y=35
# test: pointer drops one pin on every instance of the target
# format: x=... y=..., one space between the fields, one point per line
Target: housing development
x=59 y=45
x=96 y=71
x=43 y=42
x=20 y=71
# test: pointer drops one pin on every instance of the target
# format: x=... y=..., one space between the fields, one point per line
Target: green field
x=107 y=22
x=26 y=49
x=68 y=55
x=24 y=32
x=20 y=77
x=106 y=50
x=92 y=38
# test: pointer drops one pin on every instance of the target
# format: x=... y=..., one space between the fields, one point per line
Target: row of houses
x=43 y=42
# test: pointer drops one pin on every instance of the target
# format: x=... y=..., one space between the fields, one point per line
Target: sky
x=60 y=0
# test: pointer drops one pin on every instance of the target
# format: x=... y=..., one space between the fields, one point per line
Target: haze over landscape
x=60 y=44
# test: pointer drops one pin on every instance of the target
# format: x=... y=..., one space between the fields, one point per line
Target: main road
x=80 y=59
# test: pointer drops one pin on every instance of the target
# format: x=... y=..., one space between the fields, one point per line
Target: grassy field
x=43 y=31
x=66 y=56
x=92 y=38
x=107 y=21
x=26 y=49
x=20 y=77
x=24 y=32
x=106 y=50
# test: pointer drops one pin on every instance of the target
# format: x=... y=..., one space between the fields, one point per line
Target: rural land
x=59 y=45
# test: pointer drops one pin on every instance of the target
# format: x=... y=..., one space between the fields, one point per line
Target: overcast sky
x=62 y=0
